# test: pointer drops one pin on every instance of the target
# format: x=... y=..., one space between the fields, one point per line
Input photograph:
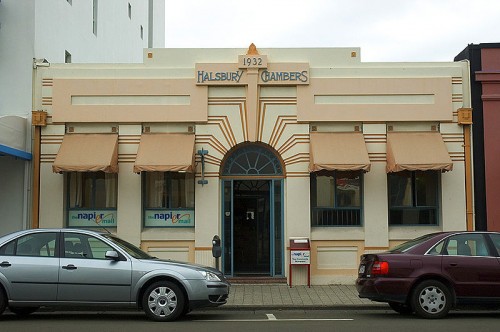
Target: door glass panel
x=278 y=235
x=251 y=222
x=227 y=236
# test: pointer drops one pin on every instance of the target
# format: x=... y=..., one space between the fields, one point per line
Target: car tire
x=401 y=308
x=163 y=301
x=23 y=311
x=3 y=300
x=431 y=299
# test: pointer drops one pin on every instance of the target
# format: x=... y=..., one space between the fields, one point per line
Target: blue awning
x=6 y=150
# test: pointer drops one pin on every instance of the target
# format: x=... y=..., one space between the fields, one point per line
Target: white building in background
x=57 y=31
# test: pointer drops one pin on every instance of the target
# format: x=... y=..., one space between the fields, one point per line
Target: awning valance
x=338 y=151
x=417 y=151
x=87 y=153
x=165 y=153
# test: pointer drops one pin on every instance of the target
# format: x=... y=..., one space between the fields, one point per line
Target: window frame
x=168 y=208
x=15 y=243
x=414 y=203
x=93 y=193
x=494 y=239
x=477 y=240
x=167 y=188
x=335 y=208
x=86 y=246
x=107 y=214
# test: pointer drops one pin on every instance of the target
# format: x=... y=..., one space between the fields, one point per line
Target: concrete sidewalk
x=251 y=296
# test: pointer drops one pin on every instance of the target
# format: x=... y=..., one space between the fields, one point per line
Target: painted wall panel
x=375 y=99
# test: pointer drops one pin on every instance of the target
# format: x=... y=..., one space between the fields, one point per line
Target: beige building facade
x=259 y=147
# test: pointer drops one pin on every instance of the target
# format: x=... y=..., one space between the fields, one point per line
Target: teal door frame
x=276 y=247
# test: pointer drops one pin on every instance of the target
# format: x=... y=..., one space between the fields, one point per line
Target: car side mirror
x=113 y=255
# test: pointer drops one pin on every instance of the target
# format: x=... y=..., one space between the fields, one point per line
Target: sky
x=385 y=30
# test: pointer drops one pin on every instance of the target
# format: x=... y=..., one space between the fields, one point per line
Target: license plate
x=361 y=269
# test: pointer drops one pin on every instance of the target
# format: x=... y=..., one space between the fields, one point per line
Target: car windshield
x=403 y=247
x=129 y=248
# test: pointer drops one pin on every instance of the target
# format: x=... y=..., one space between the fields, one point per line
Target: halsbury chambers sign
x=211 y=77
x=232 y=74
x=284 y=76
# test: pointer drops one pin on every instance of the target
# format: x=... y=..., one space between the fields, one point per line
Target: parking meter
x=216 y=248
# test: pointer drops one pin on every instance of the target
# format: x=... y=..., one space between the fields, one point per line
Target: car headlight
x=209 y=276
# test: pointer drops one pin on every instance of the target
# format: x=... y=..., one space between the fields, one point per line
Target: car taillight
x=380 y=268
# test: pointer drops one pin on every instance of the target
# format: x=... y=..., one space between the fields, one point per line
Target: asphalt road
x=269 y=320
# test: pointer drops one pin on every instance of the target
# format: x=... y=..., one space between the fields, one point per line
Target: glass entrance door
x=252 y=227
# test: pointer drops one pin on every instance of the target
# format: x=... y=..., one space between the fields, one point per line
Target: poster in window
x=92 y=218
x=169 y=218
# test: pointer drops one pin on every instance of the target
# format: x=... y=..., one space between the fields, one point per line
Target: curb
x=250 y=307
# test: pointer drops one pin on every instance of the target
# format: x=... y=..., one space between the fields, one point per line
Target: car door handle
x=5 y=264
x=69 y=267
x=453 y=264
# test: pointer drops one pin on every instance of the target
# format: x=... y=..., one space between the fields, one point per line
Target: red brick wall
x=490 y=78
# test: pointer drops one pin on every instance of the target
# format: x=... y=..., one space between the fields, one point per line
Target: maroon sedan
x=434 y=273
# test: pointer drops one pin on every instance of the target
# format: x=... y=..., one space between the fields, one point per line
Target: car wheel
x=163 y=301
x=401 y=308
x=431 y=299
x=23 y=311
x=3 y=301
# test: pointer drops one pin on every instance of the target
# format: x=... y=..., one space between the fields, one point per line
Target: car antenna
x=101 y=226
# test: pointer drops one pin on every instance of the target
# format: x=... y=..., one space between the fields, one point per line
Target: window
x=496 y=242
x=168 y=199
x=92 y=199
x=92 y=190
x=466 y=245
x=413 y=197
x=38 y=244
x=169 y=190
x=70 y=2
x=67 y=57
x=336 y=198
x=404 y=247
x=84 y=246
x=129 y=10
x=142 y=32
x=94 y=17
x=128 y=247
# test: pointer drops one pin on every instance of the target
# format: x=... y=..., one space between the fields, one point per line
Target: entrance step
x=256 y=280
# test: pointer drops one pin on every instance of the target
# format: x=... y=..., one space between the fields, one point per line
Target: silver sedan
x=74 y=267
